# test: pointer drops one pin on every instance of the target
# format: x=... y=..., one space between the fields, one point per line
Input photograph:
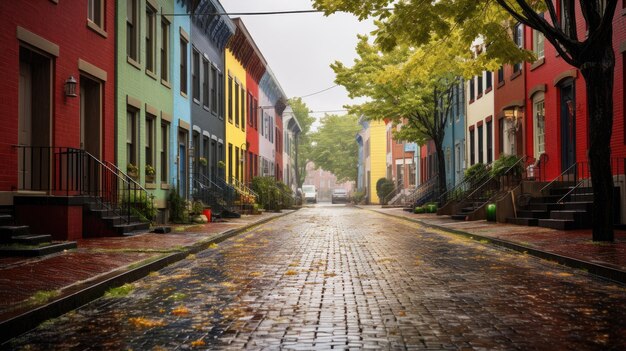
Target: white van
x=310 y=193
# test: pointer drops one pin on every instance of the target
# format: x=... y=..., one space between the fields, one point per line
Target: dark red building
x=57 y=91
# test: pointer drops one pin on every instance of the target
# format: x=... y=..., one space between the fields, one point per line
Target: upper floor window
x=518 y=37
x=95 y=12
x=236 y=104
x=221 y=97
x=214 y=89
x=230 y=99
x=489 y=80
x=132 y=30
x=567 y=9
x=165 y=49
x=183 y=65
x=150 y=37
x=538 y=40
x=501 y=75
x=480 y=85
x=205 y=83
x=471 y=89
x=195 y=75
x=242 y=95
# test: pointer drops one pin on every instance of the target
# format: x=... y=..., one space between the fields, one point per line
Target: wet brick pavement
x=339 y=277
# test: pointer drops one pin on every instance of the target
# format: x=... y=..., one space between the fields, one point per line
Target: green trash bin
x=491 y=212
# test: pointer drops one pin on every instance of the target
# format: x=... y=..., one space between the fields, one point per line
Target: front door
x=25 y=121
x=182 y=164
x=90 y=116
x=568 y=125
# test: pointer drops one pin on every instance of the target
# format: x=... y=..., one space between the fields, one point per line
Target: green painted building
x=145 y=69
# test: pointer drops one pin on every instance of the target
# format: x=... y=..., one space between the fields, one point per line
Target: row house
x=130 y=101
x=291 y=131
x=58 y=98
x=454 y=136
x=209 y=37
x=400 y=159
x=372 y=140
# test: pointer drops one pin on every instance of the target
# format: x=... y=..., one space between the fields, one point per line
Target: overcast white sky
x=300 y=47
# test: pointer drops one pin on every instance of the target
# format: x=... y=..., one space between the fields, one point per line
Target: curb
x=608 y=273
x=83 y=293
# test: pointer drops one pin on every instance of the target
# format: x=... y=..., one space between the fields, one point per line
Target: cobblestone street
x=340 y=277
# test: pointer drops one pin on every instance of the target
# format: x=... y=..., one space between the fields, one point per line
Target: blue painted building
x=209 y=36
x=454 y=139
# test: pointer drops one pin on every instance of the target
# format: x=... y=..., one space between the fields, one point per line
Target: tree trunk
x=441 y=166
x=599 y=75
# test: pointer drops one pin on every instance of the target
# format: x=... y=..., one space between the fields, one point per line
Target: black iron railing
x=75 y=172
x=423 y=192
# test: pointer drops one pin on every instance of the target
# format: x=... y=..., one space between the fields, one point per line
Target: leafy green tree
x=334 y=148
x=303 y=115
x=406 y=85
x=416 y=22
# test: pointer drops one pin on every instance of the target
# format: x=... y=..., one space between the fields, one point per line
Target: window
x=195 y=141
x=538 y=41
x=206 y=155
x=237 y=175
x=518 y=37
x=164 y=151
x=566 y=7
x=205 y=83
x=230 y=162
x=150 y=139
x=539 y=124
x=95 y=12
x=243 y=108
x=183 y=66
x=131 y=136
x=256 y=114
x=165 y=50
x=195 y=75
x=457 y=157
x=150 y=37
x=480 y=144
x=213 y=90
x=132 y=30
x=501 y=123
x=489 y=81
x=220 y=99
x=471 y=86
x=236 y=107
x=489 y=142
x=230 y=99
x=250 y=110
x=501 y=75
x=480 y=85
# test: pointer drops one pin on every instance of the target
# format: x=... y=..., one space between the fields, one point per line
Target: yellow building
x=377 y=157
x=236 y=117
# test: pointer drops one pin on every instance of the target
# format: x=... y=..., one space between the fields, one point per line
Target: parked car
x=310 y=193
x=340 y=196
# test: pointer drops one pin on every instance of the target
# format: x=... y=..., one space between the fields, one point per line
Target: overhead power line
x=318 y=92
x=266 y=13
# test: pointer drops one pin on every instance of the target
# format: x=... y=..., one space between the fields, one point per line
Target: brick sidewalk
x=576 y=244
x=96 y=258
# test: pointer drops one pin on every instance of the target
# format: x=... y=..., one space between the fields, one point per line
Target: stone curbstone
x=86 y=292
x=608 y=273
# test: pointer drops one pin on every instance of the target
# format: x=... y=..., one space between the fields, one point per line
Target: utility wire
x=290 y=12
x=318 y=92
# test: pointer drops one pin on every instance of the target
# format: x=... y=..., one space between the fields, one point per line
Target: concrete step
x=533 y=214
x=9 y=231
x=36 y=239
x=459 y=217
x=569 y=214
x=531 y=222
x=125 y=228
x=560 y=224
x=586 y=206
x=582 y=197
x=36 y=251
x=549 y=199
x=6 y=219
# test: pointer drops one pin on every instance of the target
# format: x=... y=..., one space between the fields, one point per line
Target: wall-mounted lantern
x=70 y=87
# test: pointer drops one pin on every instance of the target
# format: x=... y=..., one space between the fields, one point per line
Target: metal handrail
x=547 y=186
x=136 y=187
x=426 y=186
x=244 y=189
x=393 y=192
x=492 y=178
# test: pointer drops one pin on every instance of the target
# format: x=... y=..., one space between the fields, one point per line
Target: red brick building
x=57 y=91
x=556 y=122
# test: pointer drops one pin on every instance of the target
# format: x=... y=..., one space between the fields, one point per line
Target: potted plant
x=150 y=172
x=131 y=169
x=203 y=161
